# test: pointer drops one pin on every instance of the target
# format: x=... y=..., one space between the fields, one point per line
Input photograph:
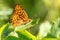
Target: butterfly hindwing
x=19 y=16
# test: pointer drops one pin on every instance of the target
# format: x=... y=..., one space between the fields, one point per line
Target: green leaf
x=55 y=30
x=2 y=29
x=11 y=38
x=25 y=35
x=26 y=26
x=49 y=39
x=22 y=35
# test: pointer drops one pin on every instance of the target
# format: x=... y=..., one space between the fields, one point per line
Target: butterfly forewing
x=19 y=16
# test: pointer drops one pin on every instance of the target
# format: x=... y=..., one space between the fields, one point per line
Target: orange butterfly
x=19 y=16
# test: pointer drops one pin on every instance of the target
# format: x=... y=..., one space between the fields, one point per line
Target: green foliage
x=49 y=39
x=40 y=11
x=11 y=38
x=22 y=35
x=5 y=30
x=55 y=30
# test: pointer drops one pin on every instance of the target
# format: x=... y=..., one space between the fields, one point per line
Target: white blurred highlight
x=45 y=28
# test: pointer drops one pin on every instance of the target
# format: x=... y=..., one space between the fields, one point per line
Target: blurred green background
x=46 y=10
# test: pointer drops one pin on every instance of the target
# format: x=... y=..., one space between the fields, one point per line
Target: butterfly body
x=19 y=16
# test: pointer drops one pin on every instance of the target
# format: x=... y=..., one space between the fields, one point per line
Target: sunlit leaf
x=2 y=29
x=25 y=35
x=49 y=39
x=26 y=26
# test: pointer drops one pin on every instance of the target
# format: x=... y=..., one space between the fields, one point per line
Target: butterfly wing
x=19 y=16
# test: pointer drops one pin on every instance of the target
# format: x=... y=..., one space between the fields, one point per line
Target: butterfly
x=19 y=16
